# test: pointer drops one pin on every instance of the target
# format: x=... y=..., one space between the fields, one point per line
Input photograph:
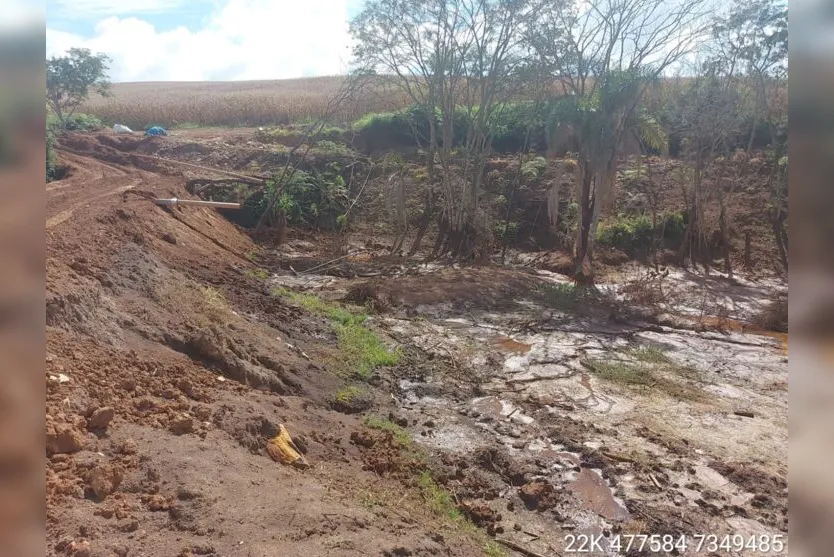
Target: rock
x=182 y=424
x=202 y=413
x=64 y=439
x=480 y=513
x=170 y=238
x=101 y=418
x=127 y=447
x=120 y=550
x=362 y=439
x=158 y=503
x=79 y=549
x=129 y=526
x=537 y=494
x=186 y=387
x=104 y=479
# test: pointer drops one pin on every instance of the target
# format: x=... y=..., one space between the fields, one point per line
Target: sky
x=206 y=40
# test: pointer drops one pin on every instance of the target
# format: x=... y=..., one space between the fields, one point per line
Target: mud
x=170 y=365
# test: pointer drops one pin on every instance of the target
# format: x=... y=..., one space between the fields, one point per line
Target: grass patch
x=562 y=295
x=262 y=274
x=361 y=348
x=651 y=370
x=650 y=355
x=401 y=436
x=350 y=393
x=620 y=372
x=364 y=350
x=314 y=304
x=437 y=498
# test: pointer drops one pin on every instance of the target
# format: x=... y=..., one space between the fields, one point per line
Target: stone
x=182 y=424
x=101 y=418
x=104 y=479
x=64 y=439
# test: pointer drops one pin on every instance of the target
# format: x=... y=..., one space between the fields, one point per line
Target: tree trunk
x=725 y=233
x=586 y=209
x=423 y=226
x=781 y=240
x=747 y=251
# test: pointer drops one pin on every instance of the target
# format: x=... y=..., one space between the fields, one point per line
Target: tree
x=752 y=40
x=70 y=78
x=707 y=115
x=605 y=54
x=460 y=62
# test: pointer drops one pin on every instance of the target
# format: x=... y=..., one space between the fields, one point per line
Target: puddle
x=596 y=496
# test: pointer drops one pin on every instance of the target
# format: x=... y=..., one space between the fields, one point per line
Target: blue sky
x=195 y=40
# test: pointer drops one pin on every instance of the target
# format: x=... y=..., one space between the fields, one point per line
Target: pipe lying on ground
x=174 y=202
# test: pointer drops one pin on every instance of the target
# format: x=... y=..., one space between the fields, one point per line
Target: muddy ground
x=520 y=410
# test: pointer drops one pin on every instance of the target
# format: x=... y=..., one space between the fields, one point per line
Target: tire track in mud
x=67 y=213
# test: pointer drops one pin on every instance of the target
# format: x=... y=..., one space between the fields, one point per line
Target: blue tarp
x=156 y=130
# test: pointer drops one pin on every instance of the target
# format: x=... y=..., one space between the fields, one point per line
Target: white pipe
x=174 y=202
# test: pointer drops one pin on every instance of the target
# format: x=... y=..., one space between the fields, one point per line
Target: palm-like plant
x=595 y=125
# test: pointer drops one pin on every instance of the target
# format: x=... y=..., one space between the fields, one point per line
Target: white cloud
x=243 y=39
x=79 y=9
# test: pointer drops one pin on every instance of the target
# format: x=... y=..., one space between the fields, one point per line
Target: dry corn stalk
x=282 y=449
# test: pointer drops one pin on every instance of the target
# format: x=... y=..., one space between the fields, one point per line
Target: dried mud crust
x=169 y=366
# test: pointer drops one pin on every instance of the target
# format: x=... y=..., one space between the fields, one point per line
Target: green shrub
x=627 y=234
x=508 y=126
x=634 y=233
x=82 y=122
x=533 y=168
x=314 y=199
x=506 y=231
x=633 y=176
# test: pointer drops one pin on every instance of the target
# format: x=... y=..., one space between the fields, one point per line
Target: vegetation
x=401 y=436
x=438 y=499
x=361 y=349
x=312 y=199
x=239 y=103
x=350 y=393
x=648 y=368
x=70 y=78
x=516 y=76
x=637 y=233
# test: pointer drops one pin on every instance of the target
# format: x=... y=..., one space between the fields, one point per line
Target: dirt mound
x=157 y=333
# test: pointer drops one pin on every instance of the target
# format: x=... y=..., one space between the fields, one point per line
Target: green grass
x=262 y=274
x=620 y=372
x=364 y=350
x=437 y=498
x=314 y=304
x=560 y=293
x=651 y=370
x=401 y=436
x=361 y=348
x=349 y=393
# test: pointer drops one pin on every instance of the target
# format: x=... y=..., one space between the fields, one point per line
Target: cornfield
x=241 y=103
